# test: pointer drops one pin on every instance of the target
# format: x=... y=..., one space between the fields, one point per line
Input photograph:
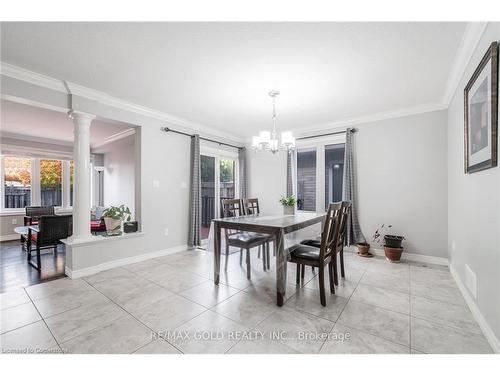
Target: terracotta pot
x=113 y=226
x=363 y=248
x=288 y=210
x=393 y=254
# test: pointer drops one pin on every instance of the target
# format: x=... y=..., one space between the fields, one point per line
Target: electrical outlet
x=166 y=231
x=471 y=281
x=14 y=221
x=156 y=183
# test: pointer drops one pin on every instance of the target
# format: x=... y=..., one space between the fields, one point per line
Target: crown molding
x=32 y=138
x=387 y=115
x=71 y=88
x=29 y=76
x=114 y=138
x=470 y=40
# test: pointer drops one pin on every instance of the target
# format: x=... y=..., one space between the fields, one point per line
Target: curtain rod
x=167 y=129
x=326 y=134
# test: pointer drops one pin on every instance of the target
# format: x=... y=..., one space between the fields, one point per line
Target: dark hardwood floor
x=15 y=272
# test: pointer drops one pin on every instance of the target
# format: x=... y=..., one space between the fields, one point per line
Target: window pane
x=306 y=179
x=334 y=173
x=51 y=182
x=226 y=178
x=17 y=182
x=207 y=193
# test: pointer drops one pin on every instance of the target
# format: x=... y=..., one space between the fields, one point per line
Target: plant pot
x=393 y=254
x=393 y=241
x=364 y=250
x=288 y=210
x=113 y=226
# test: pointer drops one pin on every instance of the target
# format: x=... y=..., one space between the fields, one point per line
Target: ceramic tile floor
x=378 y=308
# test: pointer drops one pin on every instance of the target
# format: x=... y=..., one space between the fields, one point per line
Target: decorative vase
x=113 y=226
x=393 y=254
x=289 y=210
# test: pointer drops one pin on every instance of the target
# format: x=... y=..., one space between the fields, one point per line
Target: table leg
x=217 y=250
x=281 y=263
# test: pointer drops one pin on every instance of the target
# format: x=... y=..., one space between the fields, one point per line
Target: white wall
x=267 y=179
x=119 y=173
x=474 y=204
x=401 y=169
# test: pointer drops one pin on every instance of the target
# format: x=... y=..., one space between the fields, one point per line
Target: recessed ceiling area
x=43 y=125
x=219 y=74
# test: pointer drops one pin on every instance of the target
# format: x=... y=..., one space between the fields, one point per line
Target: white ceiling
x=218 y=74
x=43 y=125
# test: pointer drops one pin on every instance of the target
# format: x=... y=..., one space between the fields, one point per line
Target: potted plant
x=364 y=250
x=391 y=243
x=288 y=204
x=113 y=218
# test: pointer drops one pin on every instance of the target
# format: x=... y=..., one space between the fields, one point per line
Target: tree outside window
x=17 y=180
x=51 y=182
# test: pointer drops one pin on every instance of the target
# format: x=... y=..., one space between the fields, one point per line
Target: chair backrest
x=346 y=206
x=54 y=228
x=251 y=206
x=230 y=208
x=331 y=231
x=37 y=211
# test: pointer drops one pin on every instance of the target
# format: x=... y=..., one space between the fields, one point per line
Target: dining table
x=277 y=226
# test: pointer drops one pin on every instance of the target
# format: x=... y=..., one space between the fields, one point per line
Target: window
x=51 y=182
x=319 y=175
x=17 y=182
x=334 y=173
x=306 y=179
x=31 y=181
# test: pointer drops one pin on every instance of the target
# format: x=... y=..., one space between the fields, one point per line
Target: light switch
x=156 y=183
x=184 y=185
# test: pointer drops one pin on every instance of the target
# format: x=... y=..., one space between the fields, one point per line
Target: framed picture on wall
x=481 y=114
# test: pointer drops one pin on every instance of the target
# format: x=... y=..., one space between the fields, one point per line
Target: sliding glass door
x=218 y=181
x=207 y=193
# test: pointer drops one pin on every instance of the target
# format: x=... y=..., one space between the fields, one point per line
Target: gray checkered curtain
x=354 y=233
x=289 y=182
x=243 y=175
x=194 y=238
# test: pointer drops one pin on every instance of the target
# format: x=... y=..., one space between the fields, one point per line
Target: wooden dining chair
x=243 y=240
x=339 y=250
x=250 y=207
x=304 y=255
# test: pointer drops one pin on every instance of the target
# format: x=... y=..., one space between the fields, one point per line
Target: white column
x=81 y=192
x=65 y=184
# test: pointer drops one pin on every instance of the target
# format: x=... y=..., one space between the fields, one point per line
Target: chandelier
x=268 y=140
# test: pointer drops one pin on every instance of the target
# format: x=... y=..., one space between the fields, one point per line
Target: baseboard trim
x=75 y=274
x=483 y=324
x=410 y=256
x=9 y=237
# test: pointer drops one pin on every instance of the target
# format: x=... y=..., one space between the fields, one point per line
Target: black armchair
x=48 y=234
x=34 y=212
